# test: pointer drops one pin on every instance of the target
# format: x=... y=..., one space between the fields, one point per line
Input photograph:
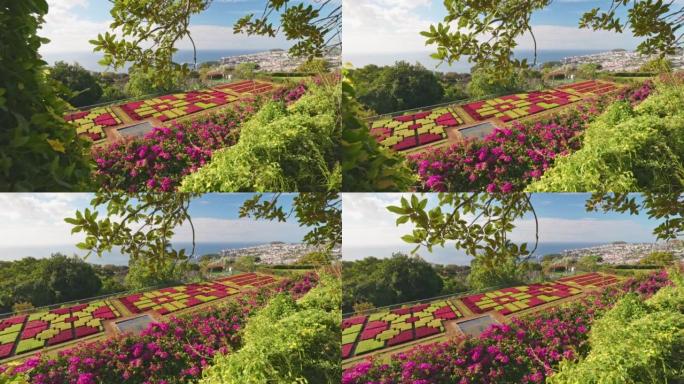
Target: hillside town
x=620 y=60
x=272 y=253
x=620 y=252
x=277 y=60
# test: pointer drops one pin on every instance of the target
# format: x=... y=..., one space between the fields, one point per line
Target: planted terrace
x=413 y=130
x=369 y=333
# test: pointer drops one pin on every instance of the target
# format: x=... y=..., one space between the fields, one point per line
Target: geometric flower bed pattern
x=514 y=299
x=167 y=300
x=91 y=123
x=510 y=107
x=415 y=129
x=177 y=105
x=589 y=87
x=24 y=333
x=366 y=333
x=247 y=86
x=590 y=280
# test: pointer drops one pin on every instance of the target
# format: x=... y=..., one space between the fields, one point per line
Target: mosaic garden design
x=362 y=334
x=590 y=280
x=170 y=107
x=415 y=129
x=91 y=123
x=595 y=87
x=511 y=107
x=514 y=299
x=247 y=86
x=167 y=300
x=25 y=333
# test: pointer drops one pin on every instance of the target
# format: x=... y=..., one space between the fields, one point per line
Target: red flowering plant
x=525 y=351
x=174 y=351
x=509 y=158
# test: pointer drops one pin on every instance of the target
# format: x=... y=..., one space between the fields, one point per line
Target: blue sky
x=367 y=225
x=71 y=23
x=376 y=27
x=215 y=216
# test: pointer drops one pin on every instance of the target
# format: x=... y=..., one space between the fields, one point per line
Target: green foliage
x=13 y=379
x=398 y=87
x=487 y=31
x=484 y=273
x=589 y=262
x=588 y=71
x=366 y=166
x=147 y=82
x=625 y=149
x=38 y=150
x=245 y=70
x=83 y=86
x=288 y=342
x=485 y=83
x=46 y=281
x=658 y=258
x=320 y=212
x=153 y=24
x=315 y=28
x=388 y=281
x=143 y=231
x=246 y=263
x=657 y=65
x=280 y=149
x=314 y=65
x=141 y=275
x=634 y=342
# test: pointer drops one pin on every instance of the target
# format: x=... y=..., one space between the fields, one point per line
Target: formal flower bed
x=159 y=160
x=25 y=333
x=507 y=108
x=525 y=351
x=362 y=334
x=594 y=279
x=254 y=87
x=514 y=299
x=170 y=107
x=170 y=352
x=589 y=87
x=91 y=123
x=510 y=158
x=414 y=129
x=167 y=300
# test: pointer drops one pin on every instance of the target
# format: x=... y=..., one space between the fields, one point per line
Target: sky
x=36 y=221
x=70 y=24
x=392 y=27
x=369 y=229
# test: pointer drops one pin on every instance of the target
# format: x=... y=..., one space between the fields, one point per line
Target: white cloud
x=384 y=27
x=70 y=32
x=367 y=223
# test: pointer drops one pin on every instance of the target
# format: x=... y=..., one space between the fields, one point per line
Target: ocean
x=89 y=60
x=448 y=254
x=115 y=257
x=360 y=60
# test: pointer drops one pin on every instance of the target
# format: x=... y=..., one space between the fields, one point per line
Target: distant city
x=277 y=60
x=276 y=252
x=620 y=60
x=621 y=252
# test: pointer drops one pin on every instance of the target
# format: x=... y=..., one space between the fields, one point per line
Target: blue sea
x=360 y=60
x=115 y=257
x=89 y=60
x=449 y=254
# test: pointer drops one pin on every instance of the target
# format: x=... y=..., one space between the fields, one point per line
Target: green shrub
x=280 y=149
x=627 y=149
x=288 y=342
x=634 y=342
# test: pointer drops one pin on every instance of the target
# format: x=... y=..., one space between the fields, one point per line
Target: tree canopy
x=487 y=32
x=85 y=90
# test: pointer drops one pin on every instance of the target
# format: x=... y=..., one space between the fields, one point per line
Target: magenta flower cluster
x=290 y=95
x=649 y=286
x=524 y=351
x=509 y=158
x=175 y=351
